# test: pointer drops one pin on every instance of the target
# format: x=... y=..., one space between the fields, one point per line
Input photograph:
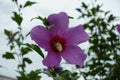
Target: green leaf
x=44 y=20
x=70 y=17
x=6 y=32
x=29 y=3
x=107 y=12
x=27 y=60
x=25 y=50
x=34 y=75
x=89 y=14
x=12 y=47
x=79 y=10
x=8 y=55
x=18 y=41
x=15 y=1
x=59 y=78
x=27 y=34
x=39 y=17
x=16 y=33
x=111 y=18
x=94 y=10
x=84 y=5
x=22 y=76
x=21 y=65
x=17 y=18
x=36 y=48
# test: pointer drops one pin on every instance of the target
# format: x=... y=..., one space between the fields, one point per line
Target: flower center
x=57 y=43
x=58 y=46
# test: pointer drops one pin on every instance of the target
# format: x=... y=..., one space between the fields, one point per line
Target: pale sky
x=42 y=8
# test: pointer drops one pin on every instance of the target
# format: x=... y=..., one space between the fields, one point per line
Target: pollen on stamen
x=57 y=43
x=58 y=46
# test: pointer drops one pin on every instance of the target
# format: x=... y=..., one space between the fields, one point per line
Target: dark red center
x=57 y=43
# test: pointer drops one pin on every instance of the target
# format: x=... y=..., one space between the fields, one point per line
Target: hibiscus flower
x=11 y=35
x=60 y=41
x=118 y=27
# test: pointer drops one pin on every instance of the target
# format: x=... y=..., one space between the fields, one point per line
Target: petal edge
x=41 y=36
x=76 y=35
x=74 y=55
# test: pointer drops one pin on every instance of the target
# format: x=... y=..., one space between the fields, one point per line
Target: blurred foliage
x=67 y=75
x=33 y=75
x=19 y=48
x=61 y=74
x=104 y=51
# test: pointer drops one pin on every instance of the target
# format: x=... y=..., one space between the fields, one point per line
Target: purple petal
x=74 y=55
x=52 y=59
x=41 y=36
x=59 y=22
x=11 y=34
x=76 y=35
x=118 y=27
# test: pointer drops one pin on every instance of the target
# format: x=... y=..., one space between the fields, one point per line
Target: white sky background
x=42 y=8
